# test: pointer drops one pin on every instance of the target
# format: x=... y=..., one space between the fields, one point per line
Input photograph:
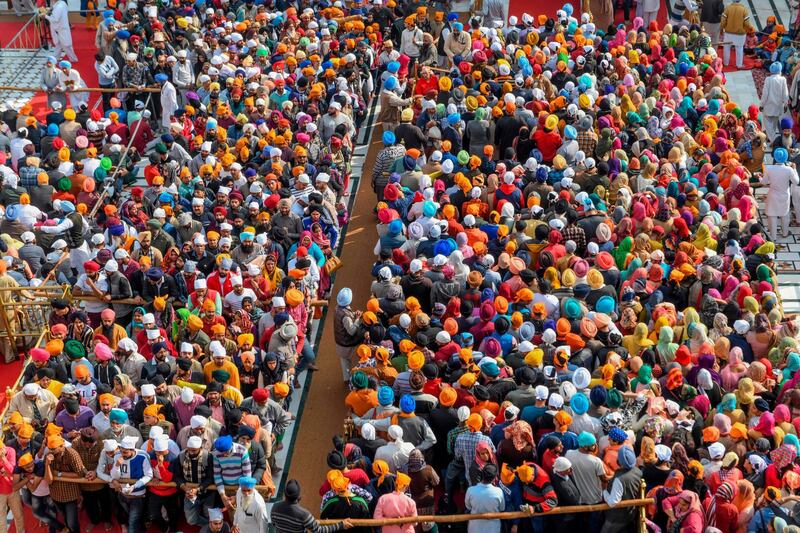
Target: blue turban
x=617 y=435
x=408 y=404
x=428 y=209
x=161 y=78
x=570 y=132
x=572 y=308
x=605 y=305
x=490 y=369
x=385 y=396
x=52 y=129
x=165 y=198
x=223 y=444
x=345 y=297
x=64 y=64
x=247 y=482
x=458 y=26
x=395 y=226
x=118 y=416
x=246 y=235
x=66 y=206
x=444 y=247
x=579 y=403
x=393 y=67
x=12 y=212
x=775 y=67
x=598 y=395
x=780 y=155
x=586 y=439
x=786 y=123
x=388 y=138
x=453 y=119
x=626 y=457
x=123 y=34
x=390 y=84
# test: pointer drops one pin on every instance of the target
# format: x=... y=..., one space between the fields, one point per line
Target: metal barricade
x=24 y=312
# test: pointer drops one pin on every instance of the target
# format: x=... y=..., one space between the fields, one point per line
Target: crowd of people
x=573 y=292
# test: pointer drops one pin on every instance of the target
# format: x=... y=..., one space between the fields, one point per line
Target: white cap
x=28 y=236
x=161 y=443
x=187 y=395
x=149 y=318
x=716 y=450
x=741 y=327
x=216 y=349
x=60 y=244
x=443 y=337
x=98 y=238
x=200 y=284
x=110 y=445
x=415 y=266
x=562 y=464
x=120 y=254
x=198 y=421
x=155 y=432
x=159 y=213
x=153 y=334
x=148 y=389
x=278 y=301
x=405 y=320
x=541 y=392
x=111 y=266
x=555 y=401
x=128 y=443
x=463 y=413
x=186 y=348
x=194 y=442
x=31 y=389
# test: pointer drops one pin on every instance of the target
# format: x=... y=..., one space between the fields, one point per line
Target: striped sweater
x=228 y=468
x=289 y=517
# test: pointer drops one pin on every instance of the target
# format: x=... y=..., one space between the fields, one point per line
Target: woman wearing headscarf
x=671 y=487
x=424 y=481
x=684 y=512
x=483 y=455
x=744 y=502
x=722 y=513
x=734 y=370
x=517 y=446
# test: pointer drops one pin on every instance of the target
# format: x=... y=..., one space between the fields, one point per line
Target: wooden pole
x=489 y=516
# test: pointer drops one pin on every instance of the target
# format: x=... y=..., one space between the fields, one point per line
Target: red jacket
x=163 y=473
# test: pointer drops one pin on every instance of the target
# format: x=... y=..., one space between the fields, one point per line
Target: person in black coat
x=566 y=489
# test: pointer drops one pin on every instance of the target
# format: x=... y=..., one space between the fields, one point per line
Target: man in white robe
x=774 y=99
x=780 y=178
x=251 y=510
x=169 y=100
x=61 y=32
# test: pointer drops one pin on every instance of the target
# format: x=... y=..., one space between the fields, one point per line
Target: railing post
x=7 y=324
x=642 y=512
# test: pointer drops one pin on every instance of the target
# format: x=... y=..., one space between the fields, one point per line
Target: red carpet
x=83 y=42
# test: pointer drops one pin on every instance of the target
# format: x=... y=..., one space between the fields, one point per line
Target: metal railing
x=33 y=35
x=24 y=312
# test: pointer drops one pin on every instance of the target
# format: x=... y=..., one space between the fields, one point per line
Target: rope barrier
x=446 y=519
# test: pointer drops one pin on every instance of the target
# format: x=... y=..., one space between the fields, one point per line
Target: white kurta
x=775 y=95
x=60 y=30
x=251 y=518
x=780 y=179
x=169 y=103
x=70 y=81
